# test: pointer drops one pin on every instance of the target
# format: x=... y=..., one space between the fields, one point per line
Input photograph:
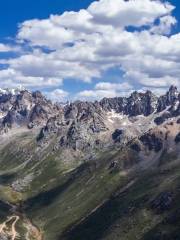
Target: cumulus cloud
x=113 y=86
x=128 y=13
x=151 y=82
x=39 y=64
x=96 y=94
x=4 y=48
x=84 y=45
x=12 y=78
x=106 y=89
x=7 y=48
x=165 y=25
x=57 y=95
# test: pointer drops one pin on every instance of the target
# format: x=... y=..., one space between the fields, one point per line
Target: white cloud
x=106 y=89
x=128 y=13
x=44 y=33
x=165 y=25
x=4 y=48
x=87 y=43
x=95 y=94
x=113 y=86
x=58 y=95
x=151 y=82
x=7 y=48
x=12 y=78
x=39 y=64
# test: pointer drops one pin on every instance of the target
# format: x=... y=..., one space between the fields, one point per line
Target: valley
x=107 y=170
x=17 y=226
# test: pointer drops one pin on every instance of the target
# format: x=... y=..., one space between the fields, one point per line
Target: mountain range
x=102 y=170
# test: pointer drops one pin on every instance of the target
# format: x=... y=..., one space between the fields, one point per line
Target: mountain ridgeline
x=103 y=170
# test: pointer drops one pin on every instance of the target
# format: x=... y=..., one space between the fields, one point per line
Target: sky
x=87 y=49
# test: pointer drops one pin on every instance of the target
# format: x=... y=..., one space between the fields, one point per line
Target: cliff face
x=86 y=125
x=23 y=108
x=91 y=170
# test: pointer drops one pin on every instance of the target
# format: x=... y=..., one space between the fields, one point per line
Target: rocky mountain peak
x=172 y=94
x=137 y=104
x=83 y=124
x=11 y=91
x=88 y=125
x=22 y=108
x=174 y=89
x=168 y=99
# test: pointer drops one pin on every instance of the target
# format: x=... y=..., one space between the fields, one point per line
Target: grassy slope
x=58 y=189
x=60 y=194
x=75 y=201
x=84 y=189
x=128 y=215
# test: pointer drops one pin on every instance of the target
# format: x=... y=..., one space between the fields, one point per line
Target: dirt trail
x=7 y=230
x=14 y=233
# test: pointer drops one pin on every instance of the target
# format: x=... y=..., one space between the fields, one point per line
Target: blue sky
x=93 y=72
x=176 y=12
x=14 y=12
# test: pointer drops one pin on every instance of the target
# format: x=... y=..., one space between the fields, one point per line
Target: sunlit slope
x=147 y=209
x=122 y=193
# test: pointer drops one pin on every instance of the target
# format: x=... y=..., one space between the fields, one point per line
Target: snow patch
x=176 y=106
x=112 y=116
x=119 y=118
x=2 y=114
x=13 y=91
